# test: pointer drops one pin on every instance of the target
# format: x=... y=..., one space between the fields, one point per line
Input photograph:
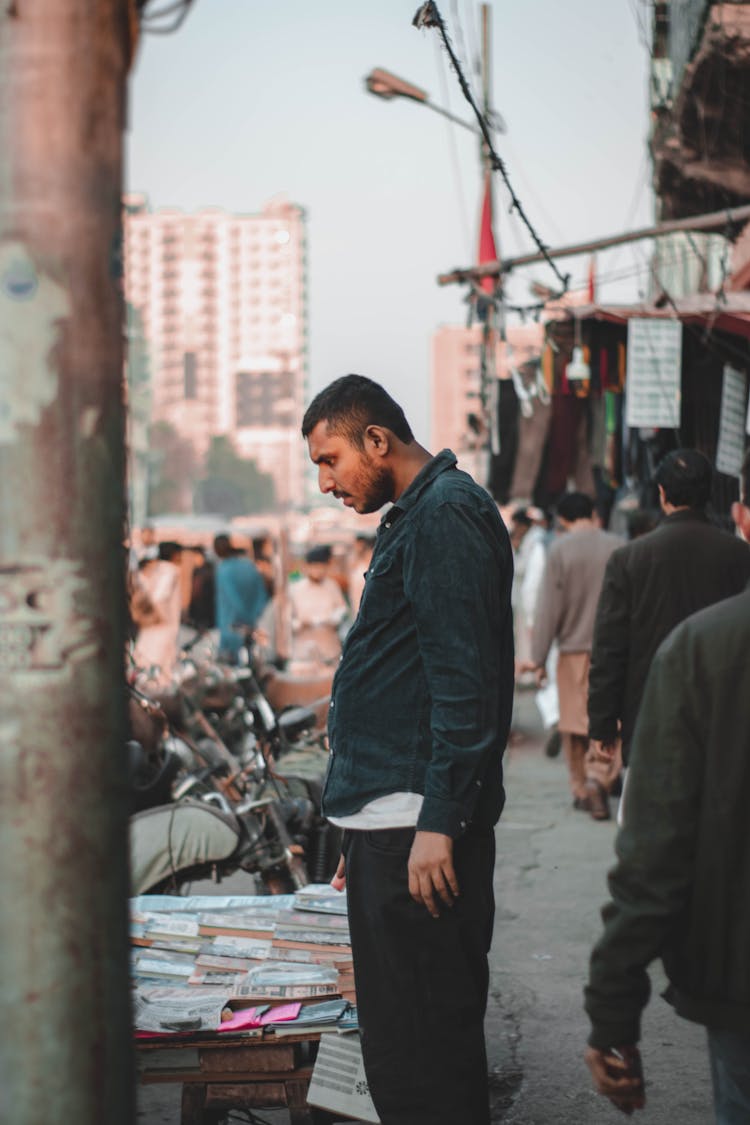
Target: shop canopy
x=726 y=313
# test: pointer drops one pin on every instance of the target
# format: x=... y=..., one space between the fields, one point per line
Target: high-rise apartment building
x=222 y=303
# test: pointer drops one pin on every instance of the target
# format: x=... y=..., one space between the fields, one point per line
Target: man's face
x=517 y=532
x=316 y=571
x=353 y=475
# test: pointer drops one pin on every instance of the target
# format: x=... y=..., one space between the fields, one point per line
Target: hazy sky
x=255 y=98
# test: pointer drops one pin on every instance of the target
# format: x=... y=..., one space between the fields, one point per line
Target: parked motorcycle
x=245 y=788
x=173 y=845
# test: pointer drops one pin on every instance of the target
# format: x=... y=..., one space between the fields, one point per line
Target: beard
x=376 y=488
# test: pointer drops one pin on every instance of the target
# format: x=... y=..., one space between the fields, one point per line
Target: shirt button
x=388 y=525
x=462 y=824
x=479 y=783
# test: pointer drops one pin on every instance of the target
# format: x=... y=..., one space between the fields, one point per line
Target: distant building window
x=261 y=396
x=190 y=376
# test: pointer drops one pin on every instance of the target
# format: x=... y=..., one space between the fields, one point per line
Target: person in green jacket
x=681 y=885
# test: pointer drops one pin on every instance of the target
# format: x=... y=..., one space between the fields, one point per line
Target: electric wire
x=473 y=40
x=429 y=16
x=464 y=52
x=642 y=268
x=451 y=128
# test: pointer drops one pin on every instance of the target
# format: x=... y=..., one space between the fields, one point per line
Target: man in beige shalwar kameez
x=567 y=607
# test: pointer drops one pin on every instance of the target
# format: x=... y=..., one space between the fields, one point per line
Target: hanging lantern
x=578 y=370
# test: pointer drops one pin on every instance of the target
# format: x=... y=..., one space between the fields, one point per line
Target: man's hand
x=603 y=751
x=540 y=672
x=431 y=871
x=338 y=882
x=617 y=1073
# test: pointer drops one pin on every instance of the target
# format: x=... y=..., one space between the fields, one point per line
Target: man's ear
x=377 y=441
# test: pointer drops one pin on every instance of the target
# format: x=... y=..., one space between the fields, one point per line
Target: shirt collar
x=444 y=460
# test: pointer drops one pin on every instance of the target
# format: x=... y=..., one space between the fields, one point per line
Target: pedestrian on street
x=318 y=610
x=419 y=718
x=201 y=611
x=158 y=597
x=650 y=585
x=681 y=886
x=567 y=604
x=529 y=542
x=240 y=594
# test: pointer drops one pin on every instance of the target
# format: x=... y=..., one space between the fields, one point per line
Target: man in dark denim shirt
x=419 y=718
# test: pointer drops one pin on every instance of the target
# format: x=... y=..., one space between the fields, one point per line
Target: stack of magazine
x=196 y=960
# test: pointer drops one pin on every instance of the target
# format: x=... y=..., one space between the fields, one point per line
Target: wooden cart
x=218 y=1073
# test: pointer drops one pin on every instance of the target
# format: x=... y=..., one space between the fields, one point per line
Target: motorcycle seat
x=171 y=838
x=295 y=720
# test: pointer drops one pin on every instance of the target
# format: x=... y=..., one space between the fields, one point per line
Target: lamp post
x=383 y=84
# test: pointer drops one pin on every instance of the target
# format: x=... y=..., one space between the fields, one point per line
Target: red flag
x=592 y=280
x=487 y=248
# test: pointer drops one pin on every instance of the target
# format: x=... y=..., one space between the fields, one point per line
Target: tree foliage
x=232 y=485
x=173 y=468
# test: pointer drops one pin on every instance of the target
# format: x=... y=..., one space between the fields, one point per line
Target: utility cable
x=455 y=163
x=465 y=52
x=429 y=16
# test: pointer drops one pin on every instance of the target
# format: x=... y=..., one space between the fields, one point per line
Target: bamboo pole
x=713 y=221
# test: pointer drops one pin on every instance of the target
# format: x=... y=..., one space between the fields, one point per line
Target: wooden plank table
x=218 y=1073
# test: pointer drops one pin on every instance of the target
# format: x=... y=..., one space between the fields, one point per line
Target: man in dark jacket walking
x=650 y=585
x=681 y=886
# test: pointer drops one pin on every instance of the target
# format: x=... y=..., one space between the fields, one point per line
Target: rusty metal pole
x=65 y=1051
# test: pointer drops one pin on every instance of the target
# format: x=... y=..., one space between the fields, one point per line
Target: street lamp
x=385 y=85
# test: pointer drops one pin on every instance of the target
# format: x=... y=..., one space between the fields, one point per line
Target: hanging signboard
x=731 y=445
x=652 y=389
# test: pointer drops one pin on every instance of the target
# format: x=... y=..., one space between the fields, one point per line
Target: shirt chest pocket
x=384 y=590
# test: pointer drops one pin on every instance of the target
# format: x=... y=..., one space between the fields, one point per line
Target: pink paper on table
x=282 y=1012
x=245 y=1017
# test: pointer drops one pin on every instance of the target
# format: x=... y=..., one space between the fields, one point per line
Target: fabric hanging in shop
x=568 y=455
x=501 y=464
x=533 y=428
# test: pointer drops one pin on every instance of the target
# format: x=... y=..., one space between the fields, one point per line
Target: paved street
x=550 y=885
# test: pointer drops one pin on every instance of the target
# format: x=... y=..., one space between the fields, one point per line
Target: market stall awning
x=728 y=313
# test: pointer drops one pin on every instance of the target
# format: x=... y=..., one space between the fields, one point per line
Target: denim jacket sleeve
x=457 y=573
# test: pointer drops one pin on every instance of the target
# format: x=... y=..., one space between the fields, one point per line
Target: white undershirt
x=395 y=810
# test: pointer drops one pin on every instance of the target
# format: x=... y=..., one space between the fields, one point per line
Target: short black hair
x=320 y=554
x=685 y=475
x=352 y=403
x=168 y=548
x=575 y=506
x=223 y=546
x=520 y=515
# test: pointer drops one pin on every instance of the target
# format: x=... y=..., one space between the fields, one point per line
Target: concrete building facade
x=222 y=300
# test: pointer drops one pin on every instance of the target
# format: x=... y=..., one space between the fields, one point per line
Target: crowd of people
x=592 y=608
x=231 y=592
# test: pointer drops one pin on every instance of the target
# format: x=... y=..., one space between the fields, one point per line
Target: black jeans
x=421 y=981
